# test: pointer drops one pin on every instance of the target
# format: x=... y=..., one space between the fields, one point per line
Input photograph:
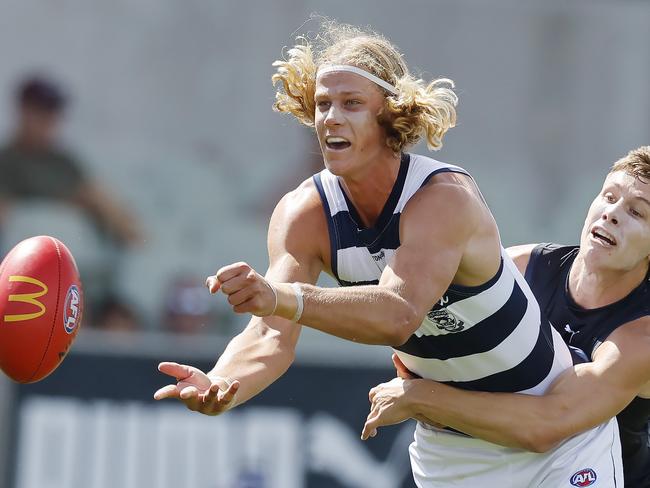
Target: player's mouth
x=336 y=143
x=600 y=235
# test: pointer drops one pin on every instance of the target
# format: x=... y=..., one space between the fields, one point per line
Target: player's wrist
x=419 y=398
x=290 y=301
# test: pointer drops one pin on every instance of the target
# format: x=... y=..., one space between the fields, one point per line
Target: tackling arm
x=581 y=398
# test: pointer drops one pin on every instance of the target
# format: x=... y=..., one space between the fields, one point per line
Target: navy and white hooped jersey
x=491 y=337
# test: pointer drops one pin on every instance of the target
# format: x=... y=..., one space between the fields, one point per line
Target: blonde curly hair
x=419 y=109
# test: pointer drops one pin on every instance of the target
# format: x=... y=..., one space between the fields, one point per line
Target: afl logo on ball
x=584 y=477
x=71 y=309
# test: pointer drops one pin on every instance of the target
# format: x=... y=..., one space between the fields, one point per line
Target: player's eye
x=353 y=102
x=636 y=213
x=610 y=198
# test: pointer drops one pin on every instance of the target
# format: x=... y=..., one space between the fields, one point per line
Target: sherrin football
x=41 y=304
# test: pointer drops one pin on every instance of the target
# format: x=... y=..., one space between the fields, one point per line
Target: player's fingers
x=372 y=394
x=369 y=429
x=213 y=284
x=193 y=403
x=218 y=400
x=218 y=384
x=235 y=285
x=190 y=397
x=402 y=371
x=178 y=371
x=168 y=391
x=229 y=272
x=243 y=299
x=189 y=392
x=228 y=395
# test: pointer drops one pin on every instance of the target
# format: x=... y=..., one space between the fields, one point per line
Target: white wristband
x=300 y=304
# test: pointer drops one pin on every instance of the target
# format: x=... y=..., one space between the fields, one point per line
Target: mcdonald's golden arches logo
x=30 y=298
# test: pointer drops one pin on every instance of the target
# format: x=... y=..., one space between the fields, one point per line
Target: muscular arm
x=265 y=349
x=432 y=245
x=581 y=398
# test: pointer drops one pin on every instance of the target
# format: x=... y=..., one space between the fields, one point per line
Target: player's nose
x=333 y=116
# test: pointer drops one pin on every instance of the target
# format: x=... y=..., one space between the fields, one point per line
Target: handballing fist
x=247 y=290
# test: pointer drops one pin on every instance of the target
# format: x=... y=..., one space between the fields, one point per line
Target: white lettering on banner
x=102 y=444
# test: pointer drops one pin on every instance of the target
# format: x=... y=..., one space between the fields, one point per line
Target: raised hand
x=198 y=391
x=247 y=290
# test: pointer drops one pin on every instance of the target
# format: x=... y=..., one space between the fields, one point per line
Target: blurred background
x=140 y=132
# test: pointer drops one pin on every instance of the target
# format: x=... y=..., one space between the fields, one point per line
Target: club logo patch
x=584 y=477
x=445 y=320
x=72 y=309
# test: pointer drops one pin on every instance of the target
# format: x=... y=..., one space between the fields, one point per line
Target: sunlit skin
x=347 y=106
x=612 y=262
x=603 y=271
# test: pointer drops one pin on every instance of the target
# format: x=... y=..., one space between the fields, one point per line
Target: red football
x=41 y=303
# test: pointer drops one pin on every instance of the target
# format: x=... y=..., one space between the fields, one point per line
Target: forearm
x=365 y=314
x=511 y=420
x=256 y=357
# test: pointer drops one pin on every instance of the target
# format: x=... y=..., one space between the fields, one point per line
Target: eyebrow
x=343 y=93
x=636 y=197
x=643 y=199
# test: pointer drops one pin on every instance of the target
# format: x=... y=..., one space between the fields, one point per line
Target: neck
x=593 y=287
x=369 y=192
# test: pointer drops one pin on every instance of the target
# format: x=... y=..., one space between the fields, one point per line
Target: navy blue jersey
x=585 y=329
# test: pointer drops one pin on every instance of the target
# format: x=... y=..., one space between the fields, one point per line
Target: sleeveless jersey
x=585 y=329
x=492 y=337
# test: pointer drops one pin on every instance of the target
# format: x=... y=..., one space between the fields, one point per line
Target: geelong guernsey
x=491 y=337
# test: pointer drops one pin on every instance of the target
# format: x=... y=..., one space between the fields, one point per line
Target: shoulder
x=628 y=345
x=302 y=202
x=450 y=198
x=299 y=216
x=520 y=255
x=634 y=332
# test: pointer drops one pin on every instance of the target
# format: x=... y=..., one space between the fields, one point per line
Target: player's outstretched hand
x=388 y=406
x=198 y=391
x=247 y=290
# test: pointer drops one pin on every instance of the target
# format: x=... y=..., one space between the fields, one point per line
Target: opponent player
x=407 y=236
x=597 y=296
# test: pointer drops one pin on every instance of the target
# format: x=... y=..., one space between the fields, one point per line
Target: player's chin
x=337 y=164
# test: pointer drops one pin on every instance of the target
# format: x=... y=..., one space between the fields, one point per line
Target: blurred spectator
x=115 y=314
x=34 y=166
x=188 y=308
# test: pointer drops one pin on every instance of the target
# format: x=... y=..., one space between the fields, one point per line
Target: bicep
x=294 y=247
x=297 y=230
x=431 y=249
